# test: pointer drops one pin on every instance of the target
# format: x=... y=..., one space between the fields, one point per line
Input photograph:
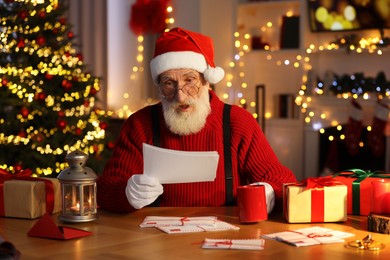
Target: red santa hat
x=183 y=49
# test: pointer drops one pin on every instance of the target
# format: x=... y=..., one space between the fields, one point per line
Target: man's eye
x=190 y=80
x=168 y=84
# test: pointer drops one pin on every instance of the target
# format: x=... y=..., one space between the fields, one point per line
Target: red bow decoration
x=148 y=16
x=319 y=182
x=4 y=175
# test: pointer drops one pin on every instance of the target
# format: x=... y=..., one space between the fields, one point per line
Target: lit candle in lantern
x=78 y=189
x=76 y=208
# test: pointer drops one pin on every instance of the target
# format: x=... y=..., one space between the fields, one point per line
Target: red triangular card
x=46 y=228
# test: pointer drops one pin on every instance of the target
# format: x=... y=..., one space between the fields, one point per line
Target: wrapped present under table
x=359 y=183
x=320 y=199
x=23 y=196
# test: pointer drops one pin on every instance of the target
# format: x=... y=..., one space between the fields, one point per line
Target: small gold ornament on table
x=367 y=243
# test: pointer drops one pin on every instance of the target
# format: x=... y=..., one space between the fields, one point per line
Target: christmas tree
x=47 y=100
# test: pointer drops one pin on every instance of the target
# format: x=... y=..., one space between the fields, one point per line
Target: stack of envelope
x=172 y=225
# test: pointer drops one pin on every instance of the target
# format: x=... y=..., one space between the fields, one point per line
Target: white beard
x=183 y=123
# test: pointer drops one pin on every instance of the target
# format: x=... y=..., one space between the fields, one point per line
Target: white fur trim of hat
x=183 y=49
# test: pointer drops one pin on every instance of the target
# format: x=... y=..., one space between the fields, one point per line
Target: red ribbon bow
x=319 y=182
x=26 y=175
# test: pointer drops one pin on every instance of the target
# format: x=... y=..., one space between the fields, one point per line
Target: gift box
x=321 y=199
x=378 y=223
x=22 y=196
x=359 y=183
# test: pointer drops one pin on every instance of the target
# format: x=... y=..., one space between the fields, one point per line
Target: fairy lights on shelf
x=243 y=40
x=315 y=118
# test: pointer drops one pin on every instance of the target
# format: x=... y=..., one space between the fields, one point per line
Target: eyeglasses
x=169 y=88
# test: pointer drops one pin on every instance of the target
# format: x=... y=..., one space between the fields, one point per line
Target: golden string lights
x=246 y=42
x=371 y=45
x=303 y=60
x=138 y=69
x=47 y=99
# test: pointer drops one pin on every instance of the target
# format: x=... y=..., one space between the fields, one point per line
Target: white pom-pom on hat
x=183 y=49
x=214 y=75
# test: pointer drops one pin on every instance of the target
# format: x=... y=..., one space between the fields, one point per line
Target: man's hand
x=142 y=190
x=269 y=195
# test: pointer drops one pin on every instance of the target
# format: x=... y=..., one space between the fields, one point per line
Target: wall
x=194 y=15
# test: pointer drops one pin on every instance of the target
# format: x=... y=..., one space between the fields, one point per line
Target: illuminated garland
x=47 y=101
x=351 y=43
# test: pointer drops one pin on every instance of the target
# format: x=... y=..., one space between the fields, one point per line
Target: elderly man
x=190 y=117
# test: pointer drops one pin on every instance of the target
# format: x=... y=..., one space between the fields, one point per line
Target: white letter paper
x=171 y=166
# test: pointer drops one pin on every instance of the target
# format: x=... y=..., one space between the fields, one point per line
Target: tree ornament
x=23 y=15
x=61 y=124
x=95 y=148
x=21 y=43
x=70 y=35
x=62 y=21
x=78 y=131
x=61 y=114
x=41 y=40
x=22 y=134
x=66 y=84
x=80 y=56
x=86 y=103
x=38 y=137
x=42 y=14
x=41 y=96
x=49 y=76
x=24 y=112
x=93 y=91
x=103 y=125
x=4 y=81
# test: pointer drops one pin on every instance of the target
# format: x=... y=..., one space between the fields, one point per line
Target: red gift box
x=321 y=199
x=359 y=183
x=23 y=196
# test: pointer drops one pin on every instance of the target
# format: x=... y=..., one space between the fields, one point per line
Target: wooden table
x=117 y=236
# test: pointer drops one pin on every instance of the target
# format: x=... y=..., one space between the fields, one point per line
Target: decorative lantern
x=78 y=190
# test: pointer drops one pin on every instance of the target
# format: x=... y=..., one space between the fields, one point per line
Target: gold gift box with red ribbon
x=359 y=198
x=320 y=199
x=23 y=196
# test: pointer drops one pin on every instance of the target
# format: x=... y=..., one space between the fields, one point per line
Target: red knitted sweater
x=253 y=159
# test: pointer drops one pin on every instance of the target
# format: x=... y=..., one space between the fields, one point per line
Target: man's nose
x=180 y=94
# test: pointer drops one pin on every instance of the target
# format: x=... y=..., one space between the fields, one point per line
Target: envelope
x=46 y=228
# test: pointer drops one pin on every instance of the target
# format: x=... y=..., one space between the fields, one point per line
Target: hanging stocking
x=375 y=139
x=354 y=128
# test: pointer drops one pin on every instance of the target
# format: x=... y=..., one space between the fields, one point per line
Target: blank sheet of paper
x=171 y=166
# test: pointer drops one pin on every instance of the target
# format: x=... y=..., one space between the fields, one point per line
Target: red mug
x=252 y=205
